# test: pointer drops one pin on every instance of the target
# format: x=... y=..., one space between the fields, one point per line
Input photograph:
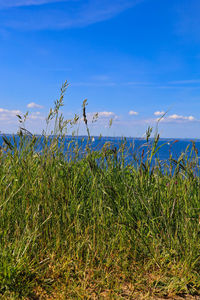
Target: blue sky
x=132 y=59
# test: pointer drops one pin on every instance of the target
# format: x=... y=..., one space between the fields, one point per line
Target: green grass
x=75 y=229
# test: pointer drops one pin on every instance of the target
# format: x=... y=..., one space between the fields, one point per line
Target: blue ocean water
x=133 y=146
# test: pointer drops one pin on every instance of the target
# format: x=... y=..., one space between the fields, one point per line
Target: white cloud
x=190 y=81
x=35 y=116
x=72 y=13
x=101 y=77
x=179 y=117
x=159 y=113
x=102 y=116
x=106 y=114
x=3 y=110
x=137 y=83
x=34 y=105
x=10 y=116
x=6 y=114
x=133 y=113
x=18 y=3
x=191 y=118
x=94 y=84
x=176 y=118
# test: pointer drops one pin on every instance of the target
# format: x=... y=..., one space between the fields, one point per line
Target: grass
x=94 y=227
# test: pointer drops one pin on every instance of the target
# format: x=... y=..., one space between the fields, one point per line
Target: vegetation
x=77 y=225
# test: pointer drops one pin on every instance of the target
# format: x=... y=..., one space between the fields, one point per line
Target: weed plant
x=78 y=223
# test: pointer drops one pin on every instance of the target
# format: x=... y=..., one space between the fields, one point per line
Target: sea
x=139 y=146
